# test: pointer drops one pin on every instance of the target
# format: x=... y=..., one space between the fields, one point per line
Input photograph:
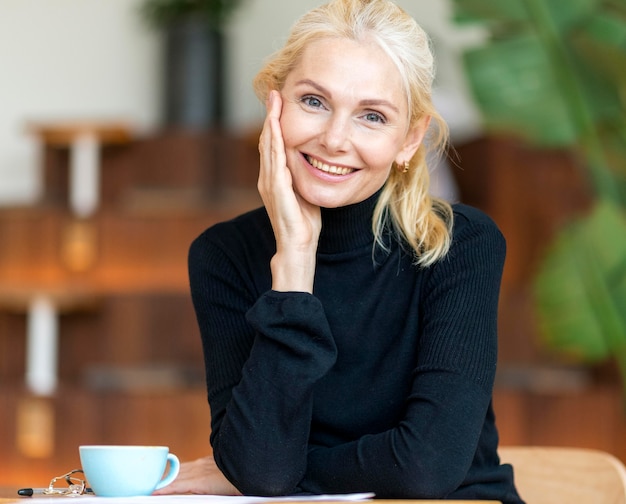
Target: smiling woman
x=349 y=326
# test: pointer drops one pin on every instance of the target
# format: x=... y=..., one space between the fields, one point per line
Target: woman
x=349 y=326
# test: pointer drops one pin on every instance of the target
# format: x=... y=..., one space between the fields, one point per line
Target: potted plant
x=554 y=73
x=194 y=58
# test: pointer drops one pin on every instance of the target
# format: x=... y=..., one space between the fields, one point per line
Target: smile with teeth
x=332 y=169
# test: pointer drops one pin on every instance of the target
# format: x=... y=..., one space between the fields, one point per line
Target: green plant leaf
x=554 y=73
x=601 y=43
x=472 y=11
x=513 y=83
x=599 y=90
x=566 y=13
x=580 y=289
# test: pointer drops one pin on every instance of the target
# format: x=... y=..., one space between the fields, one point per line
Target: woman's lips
x=326 y=168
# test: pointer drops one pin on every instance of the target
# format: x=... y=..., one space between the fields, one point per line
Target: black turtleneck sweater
x=380 y=381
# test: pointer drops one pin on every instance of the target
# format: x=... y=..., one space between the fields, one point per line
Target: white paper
x=210 y=499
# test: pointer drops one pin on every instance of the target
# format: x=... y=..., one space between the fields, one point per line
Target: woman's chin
x=330 y=198
x=337 y=195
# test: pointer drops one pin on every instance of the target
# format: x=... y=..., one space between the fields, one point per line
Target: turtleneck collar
x=347 y=228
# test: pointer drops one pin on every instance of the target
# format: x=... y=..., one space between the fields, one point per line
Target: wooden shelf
x=63 y=133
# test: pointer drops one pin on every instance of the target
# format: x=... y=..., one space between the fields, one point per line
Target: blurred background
x=129 y=126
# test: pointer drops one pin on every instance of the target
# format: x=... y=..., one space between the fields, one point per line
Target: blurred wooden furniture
x=84 y=139
x=127 y=319
x=127 y=343
x=59 y=262
x=531 y=194
x=63 y=133
x=550 y=475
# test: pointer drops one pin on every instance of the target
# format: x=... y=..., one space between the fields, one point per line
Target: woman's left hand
x=201 y=476
x=296 y=222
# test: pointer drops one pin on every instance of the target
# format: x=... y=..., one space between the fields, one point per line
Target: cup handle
x=172 y=473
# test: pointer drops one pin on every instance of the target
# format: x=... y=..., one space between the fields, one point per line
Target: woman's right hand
x=295 y=221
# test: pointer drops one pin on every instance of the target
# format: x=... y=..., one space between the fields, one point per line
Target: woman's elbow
x=261 y=479
x=432 y=482
x=264 y=484
x=435 y=488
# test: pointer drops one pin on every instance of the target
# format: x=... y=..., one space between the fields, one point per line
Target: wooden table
x=8 y=500
x=7 y=495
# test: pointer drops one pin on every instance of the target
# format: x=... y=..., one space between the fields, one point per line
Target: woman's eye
x=312 y=101
x=374 y=117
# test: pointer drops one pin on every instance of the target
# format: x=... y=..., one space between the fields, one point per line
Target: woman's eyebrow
x=317 y=86
x=366 y=103
x=378 y=103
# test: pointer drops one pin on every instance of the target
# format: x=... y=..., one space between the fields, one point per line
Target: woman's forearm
x=413 y=459
x=260 y=439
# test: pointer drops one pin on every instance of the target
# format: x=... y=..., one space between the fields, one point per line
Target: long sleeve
x=429 y=452
x=262 y=363
x=263 y=440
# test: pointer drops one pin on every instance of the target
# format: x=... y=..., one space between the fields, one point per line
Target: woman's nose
x=336 y=134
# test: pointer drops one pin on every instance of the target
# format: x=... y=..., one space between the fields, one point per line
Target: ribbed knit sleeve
x=263 y=358
x=461 y=303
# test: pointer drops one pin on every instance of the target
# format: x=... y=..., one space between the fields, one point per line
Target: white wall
x=68 y=59
x=73 y=59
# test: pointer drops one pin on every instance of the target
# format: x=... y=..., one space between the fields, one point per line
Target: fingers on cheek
x=264 y=138
x=277 y=132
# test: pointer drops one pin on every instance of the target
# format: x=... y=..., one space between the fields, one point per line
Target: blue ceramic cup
x=127 y=471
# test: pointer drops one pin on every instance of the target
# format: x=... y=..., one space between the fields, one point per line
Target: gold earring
x=405 y=167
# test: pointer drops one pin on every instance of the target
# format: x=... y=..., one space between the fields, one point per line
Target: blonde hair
x=421 y=221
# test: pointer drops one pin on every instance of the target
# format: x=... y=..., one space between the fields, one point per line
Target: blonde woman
x=349 y=325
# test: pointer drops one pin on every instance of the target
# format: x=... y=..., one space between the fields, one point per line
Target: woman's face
x=345 y=121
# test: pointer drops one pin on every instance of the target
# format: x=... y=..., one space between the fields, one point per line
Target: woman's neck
x=347 y=228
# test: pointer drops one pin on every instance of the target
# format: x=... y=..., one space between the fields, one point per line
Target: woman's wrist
x=293 y=271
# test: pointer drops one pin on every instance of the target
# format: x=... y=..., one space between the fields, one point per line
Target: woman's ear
x=414 y=138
